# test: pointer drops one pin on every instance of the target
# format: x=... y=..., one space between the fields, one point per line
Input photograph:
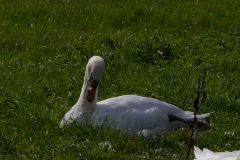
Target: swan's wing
x=140 y=114
x=135 y=119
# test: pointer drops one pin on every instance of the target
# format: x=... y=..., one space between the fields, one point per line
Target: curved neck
x=85 y=106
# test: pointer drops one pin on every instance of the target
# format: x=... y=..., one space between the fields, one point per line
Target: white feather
x=206 y=154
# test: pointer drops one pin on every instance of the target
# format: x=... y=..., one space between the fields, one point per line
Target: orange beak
x=91 y=92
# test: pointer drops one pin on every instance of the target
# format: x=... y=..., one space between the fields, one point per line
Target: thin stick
x=196 y=107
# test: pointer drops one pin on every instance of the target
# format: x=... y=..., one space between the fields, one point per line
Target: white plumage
x=137 y=114
x=206 y=154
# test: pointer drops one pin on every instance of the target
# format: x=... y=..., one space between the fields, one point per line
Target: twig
x=196 y=107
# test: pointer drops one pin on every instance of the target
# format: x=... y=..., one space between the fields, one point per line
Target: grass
x=151 y=48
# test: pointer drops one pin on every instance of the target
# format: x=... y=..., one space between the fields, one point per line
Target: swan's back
x=131 y=102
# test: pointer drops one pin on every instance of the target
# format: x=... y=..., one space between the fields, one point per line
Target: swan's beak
x=91 y=92
x=92 y=86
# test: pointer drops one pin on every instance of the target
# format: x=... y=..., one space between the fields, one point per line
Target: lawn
x=153 y=48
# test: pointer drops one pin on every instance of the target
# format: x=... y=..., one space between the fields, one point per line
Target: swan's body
x=206 y=154
x=129 y=112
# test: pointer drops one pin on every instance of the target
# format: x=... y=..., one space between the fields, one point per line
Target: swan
x=137 y=114
x=206 y=154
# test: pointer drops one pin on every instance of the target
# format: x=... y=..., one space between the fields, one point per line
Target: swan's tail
x=201 y=117
x=188 y=118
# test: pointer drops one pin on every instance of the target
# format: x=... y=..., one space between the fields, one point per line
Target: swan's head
x=94 y=72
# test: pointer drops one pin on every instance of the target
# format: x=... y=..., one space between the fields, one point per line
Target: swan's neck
x=84 y=106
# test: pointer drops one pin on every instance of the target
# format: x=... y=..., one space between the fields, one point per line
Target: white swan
x=140 y=115
x=206 y=154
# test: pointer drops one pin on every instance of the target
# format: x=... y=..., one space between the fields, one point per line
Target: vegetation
x=154 y=48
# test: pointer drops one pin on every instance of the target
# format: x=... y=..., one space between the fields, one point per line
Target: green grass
x=46 y=44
